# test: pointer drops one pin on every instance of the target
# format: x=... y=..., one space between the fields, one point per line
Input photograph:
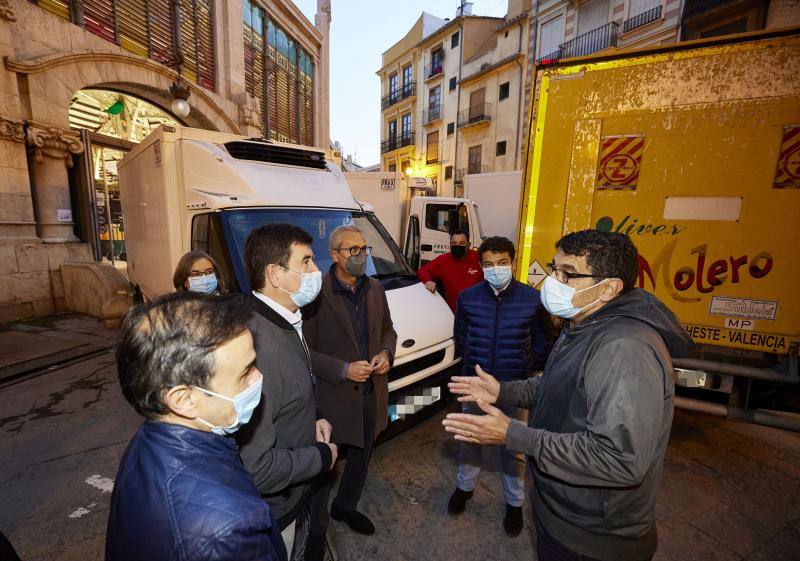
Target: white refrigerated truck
x=186 y=189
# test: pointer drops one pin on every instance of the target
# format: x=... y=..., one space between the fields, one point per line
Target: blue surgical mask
x=499 y=277
x=244 y=403
x=310 y=285
x=206 y=284
x=557 y=298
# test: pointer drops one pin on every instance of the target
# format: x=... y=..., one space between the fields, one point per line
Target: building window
x=551 y=35
x=448 y=172
x=434 y=104
x=437 y=57
x=280 y=74
x=474 y=159
x=454 y=40
x=592 y=15
x=503 y=91
x=392 y=129
x=392 y=168
x=406 y=126
x=404 y=165
x=432 y=148
x=145 y=29
x=451 y=128
x=501 y=148
x=407 y=76
x=452 y=83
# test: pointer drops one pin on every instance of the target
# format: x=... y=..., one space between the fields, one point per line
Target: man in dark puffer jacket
x=500 y=327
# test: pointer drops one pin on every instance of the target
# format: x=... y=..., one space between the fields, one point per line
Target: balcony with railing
x=403 y=92
x=432 y=114
x=474 y=115
x=692 y=7
x=399 y=141
x=434 y=69
x=470 y=170
x=587 y=43
x=641 y=19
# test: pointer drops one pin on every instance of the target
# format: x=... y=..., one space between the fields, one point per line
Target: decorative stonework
x=248 y=115
x=11 y=129
x=53 y=142
x=6 y=12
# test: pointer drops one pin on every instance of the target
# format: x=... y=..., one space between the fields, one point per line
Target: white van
x=186 y=189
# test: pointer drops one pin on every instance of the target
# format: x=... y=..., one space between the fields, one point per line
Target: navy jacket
x=183 y=495
x=507 y=334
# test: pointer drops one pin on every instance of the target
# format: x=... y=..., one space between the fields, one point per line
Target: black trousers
x=353 y=478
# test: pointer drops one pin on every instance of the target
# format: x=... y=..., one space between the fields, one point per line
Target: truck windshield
x=385 y=261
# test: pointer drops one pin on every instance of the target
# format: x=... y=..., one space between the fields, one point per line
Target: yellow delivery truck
x=693 y=150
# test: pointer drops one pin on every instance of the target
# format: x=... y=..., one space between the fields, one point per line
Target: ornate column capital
x=53 y=142
x=12 y=129
x=6 y=11
x=249 y=113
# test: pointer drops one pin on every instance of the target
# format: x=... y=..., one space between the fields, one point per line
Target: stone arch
x=51 y=82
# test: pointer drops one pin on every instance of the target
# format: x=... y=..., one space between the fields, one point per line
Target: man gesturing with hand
x=600 y=415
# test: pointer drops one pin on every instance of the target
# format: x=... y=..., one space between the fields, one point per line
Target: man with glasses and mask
x=287 y=444
x=350 y=328
x=500 y=327
x=600 y=415
x=186 y=363
x=457 y=270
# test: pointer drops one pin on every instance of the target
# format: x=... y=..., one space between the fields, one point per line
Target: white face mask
x=557 y=298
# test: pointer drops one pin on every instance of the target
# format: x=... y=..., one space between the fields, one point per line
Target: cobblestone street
x=731 y=491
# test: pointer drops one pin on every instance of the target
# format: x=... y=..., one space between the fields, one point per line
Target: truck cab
x=431 y=221
x=185 y=189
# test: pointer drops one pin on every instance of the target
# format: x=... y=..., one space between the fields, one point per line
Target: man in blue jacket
x=186 y=363
x=499 y=326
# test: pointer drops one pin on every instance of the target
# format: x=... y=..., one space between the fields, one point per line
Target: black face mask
x=458 y=251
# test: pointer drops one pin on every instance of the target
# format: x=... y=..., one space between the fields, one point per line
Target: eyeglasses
x=565 y=276
x=357 y=250
x=198 y=274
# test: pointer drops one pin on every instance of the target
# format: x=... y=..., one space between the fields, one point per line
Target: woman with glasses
x=198 y=272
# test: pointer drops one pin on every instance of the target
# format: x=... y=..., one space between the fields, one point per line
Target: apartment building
x=451 y=92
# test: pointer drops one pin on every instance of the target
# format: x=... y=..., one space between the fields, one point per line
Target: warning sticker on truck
x=620 y=159
x=743 y=308
x=787 y=175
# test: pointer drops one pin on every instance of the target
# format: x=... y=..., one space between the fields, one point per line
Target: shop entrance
x=111 y=124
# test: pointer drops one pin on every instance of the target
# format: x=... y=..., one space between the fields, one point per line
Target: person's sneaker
x=358 y=522
x=512 y=523
x=458 y=501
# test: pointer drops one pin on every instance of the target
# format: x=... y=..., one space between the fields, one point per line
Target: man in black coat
x=350 y=328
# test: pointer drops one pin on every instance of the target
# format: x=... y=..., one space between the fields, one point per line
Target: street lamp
x=179 y=91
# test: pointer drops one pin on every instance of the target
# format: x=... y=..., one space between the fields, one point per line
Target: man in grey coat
x=600 y=415
x=285 y=445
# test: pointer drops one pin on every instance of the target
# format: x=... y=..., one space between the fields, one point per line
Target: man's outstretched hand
x=487 y=429
x=472 y=388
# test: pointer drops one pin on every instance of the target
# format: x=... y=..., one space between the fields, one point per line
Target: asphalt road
x=731 y=491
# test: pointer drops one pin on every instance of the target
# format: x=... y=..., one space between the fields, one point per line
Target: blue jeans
x=471 y=455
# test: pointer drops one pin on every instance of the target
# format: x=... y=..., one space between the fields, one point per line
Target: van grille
x=416 y=365
x=261 y=151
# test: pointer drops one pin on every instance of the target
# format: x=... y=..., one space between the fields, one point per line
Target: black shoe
x=315 y=548
x=512 y=523
x=458 y=501
x=357 y=521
